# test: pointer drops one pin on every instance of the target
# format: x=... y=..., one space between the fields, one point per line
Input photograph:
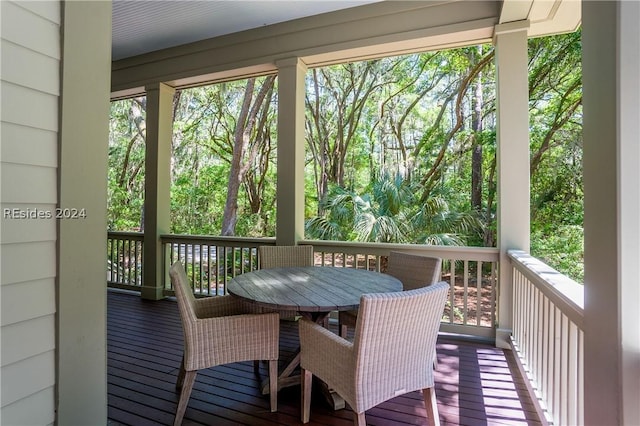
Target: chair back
x=285 y=256
x=414 y=270
x=184 y=295
x=395 y=342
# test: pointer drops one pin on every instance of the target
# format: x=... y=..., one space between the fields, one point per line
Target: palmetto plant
x=389 y=211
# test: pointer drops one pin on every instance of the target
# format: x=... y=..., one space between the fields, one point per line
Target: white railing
x=124 y=259
x=471 y=271
x=211 y=262
x=548 y=338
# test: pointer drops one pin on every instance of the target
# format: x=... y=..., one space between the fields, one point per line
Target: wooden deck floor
x=475 y=384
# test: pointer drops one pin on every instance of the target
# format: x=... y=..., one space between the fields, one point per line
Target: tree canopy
x=398 y=149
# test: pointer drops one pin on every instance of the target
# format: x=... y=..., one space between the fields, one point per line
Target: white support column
x=82 y=252
x=157 y=185
x=629 y=228
x=513 y=160
x=291 y=145
x=611 y=93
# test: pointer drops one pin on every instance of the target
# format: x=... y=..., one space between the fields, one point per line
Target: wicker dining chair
x=413 y=270
x=394 y=345
x=218 y=330
x=285 y=257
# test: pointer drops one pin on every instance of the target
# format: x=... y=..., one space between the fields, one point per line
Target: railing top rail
x=216 y=240
x=564 y=292
x=485 y=254
x=130 y=235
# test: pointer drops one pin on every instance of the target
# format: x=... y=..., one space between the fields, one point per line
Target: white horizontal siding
x=28 y=107
x=30 y=30
x=36 y=410
x=27 y=339
x=22 y=263
x=30 y=52
x=41 y=296
x=46 y=9
x=30 y=69
x=27 y=377
x=28 y=184
x=27 y=230
x=28 y=145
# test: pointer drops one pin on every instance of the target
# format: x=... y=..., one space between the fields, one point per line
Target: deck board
x=476 y=384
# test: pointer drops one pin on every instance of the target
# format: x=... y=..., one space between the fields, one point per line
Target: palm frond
x=320 y=228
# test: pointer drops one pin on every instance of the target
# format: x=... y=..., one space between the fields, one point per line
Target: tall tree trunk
x=345 y=92
x=489 y=229
x=318 y=145
x=241 y=138
x=259 y=154
x=236 y=174
x=432 y=175
x=476 y=150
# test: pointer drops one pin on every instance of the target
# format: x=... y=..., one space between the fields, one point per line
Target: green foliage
x=204 y=126
x=389 y=212
x=390 y=149
x=556 y=152
x=125 y=180
x=562 y=249
x=193 y=204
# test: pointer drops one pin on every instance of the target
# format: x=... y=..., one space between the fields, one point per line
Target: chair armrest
x=328 y=356
x=220 y=306
x=223 y=340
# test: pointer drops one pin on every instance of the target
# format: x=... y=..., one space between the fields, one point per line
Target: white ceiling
x=141 y=26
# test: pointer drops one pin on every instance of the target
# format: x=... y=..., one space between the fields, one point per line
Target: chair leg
x=358 y=419
x=273 y=384
x=306 y=380
x=189 y=379
x=181 y=373
x=431 y=403
x=343 y=330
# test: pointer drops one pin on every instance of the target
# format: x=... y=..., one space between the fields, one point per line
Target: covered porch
x=545 y=351
x=531 y=311
x=57 y=84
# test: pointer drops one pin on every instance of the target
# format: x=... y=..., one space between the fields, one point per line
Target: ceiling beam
x=546 y=17
x=377 y=29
